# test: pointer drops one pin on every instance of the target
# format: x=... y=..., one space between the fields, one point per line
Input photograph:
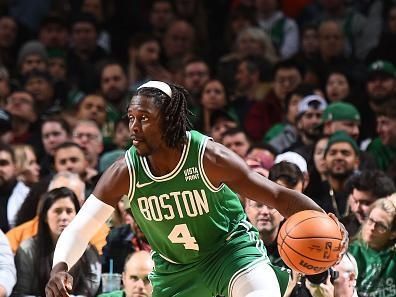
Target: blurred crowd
x=304 y=91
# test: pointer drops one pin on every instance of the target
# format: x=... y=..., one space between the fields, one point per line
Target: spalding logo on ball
x=309 y=242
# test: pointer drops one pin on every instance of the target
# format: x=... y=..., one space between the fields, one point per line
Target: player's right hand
x=345 y=237
x=60 y=284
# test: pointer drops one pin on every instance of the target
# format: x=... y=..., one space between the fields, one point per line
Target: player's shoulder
x=114 y=182
x=118 y=171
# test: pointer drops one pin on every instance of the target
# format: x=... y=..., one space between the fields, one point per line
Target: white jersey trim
x=167 y=259
x=132 y=177
x=175 y=171
x=205 y=178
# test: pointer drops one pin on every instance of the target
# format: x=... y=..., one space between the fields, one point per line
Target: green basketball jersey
x=183 y=216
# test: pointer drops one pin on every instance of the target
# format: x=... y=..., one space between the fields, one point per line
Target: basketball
x=309 y=242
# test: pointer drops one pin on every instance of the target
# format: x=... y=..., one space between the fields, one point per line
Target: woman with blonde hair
x=28 y=170
x=375 y=250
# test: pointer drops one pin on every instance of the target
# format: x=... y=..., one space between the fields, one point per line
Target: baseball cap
x=382 y=66
x=341 y=136
x=340 y=111
x=311 y=101
x=5 y=121
x=222 y=114
x=294 y=158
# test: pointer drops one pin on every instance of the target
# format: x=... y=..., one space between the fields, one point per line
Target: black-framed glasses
x=378 y=226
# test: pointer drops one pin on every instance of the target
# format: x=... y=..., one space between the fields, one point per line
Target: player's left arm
x=224 y=166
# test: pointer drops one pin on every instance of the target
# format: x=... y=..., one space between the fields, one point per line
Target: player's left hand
x=345 y=237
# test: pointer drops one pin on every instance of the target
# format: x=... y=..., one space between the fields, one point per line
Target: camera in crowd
x=321 y=278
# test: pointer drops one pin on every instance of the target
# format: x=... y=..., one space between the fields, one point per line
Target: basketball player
x=181 y=187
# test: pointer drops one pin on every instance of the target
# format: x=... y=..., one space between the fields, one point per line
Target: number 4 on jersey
x=181 y=234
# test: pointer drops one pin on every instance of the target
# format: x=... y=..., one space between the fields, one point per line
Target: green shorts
x=212 y=275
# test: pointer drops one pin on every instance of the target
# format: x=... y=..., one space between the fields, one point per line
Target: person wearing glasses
x=87 y=134
x=375 y=251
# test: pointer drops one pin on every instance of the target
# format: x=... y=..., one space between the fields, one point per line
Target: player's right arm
x=224 y=166
x=72 y=243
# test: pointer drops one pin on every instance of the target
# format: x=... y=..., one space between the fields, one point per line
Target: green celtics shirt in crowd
x=376 y=270
x=183 y=216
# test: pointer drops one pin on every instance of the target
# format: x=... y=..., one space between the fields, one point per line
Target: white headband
x=164 y=87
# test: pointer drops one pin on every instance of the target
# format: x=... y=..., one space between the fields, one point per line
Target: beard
x=342 y=175
x=115 y=95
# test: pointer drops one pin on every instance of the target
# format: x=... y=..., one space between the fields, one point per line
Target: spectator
x=98 y=9
x=317 y=168
x=283 y=30
x=88 y=135
x=122 y=139
x=262 y=115
x=13 y=192
x=29 y=228
x=28 y=209
x=144 y=61
x=195 y=13
x=22 y=106
x=364 y=188
x=114 y=87
x=137 y=268
x=341 y=116
x=249 y=86
x=32 y=55
x=261 y=153
x=284 y=134
x=41 y=85
x=374 y=250
x=383 y=148
x=93 y=107
x=122 y=241
x=160 y=16
x=8 y=37
x=54 y=131
x=236 y=140
x=196 y=75
x=250 y=42
x=298 y=160
x=342 y=159
x=332 y=45
x=338 y=86
x=27 y=168
x=85 y=53
x=309 y=45
x=53 y=32
x=343 y=283
x=380 y=86
x=179 y=46
x=213 y=98
x=7 y=267
x=221 y=121
x=309 y=112
x=387 y=42
x=34 y=256
x=69 y=156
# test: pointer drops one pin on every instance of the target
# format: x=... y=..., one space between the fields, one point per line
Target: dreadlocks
x=174 y=113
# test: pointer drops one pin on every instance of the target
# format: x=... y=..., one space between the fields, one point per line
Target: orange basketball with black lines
x=309 y=242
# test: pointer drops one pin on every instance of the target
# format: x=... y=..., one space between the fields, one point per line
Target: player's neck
x=164 y=161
